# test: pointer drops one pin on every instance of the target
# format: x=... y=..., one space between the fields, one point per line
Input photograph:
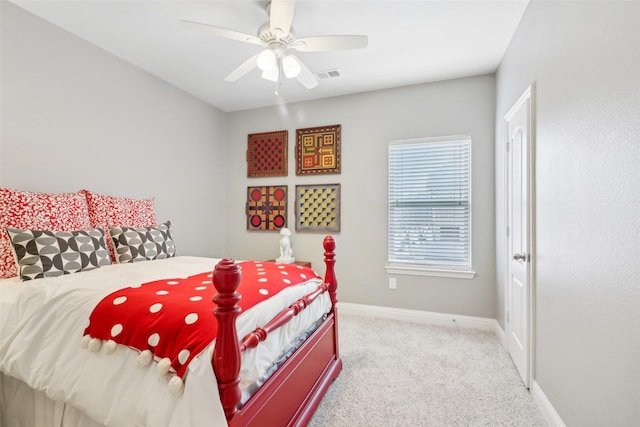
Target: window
x=430 y=207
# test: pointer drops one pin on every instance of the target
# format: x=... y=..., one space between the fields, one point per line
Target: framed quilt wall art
x=318 y=207
x=267 y=207
x=318 y=150
x=267 y=154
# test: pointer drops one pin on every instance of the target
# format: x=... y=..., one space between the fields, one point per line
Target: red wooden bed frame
x=291 y=395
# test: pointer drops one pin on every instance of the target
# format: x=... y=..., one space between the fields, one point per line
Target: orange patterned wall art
x=318 y=150
x=267 y=154
x=266 y=207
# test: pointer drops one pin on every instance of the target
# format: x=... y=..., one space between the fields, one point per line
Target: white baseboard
x=548 y=411
x=501 y=335
x=417 y=316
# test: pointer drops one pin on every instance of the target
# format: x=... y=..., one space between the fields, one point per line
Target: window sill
x=426 y=271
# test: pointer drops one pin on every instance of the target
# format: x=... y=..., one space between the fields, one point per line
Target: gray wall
x=73 y=117
x=585 y=60
x=369 y=121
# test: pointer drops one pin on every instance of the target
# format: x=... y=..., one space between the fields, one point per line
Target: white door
x=518 y=295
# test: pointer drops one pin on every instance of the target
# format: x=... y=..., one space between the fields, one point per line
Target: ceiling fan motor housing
x=265 y=34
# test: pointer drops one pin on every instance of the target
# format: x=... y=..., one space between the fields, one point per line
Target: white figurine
x=286 y=251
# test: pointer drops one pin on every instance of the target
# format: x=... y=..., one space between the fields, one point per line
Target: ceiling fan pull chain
x=279 y=73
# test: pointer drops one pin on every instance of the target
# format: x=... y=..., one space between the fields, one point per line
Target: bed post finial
x=330 y=276
x=226 y=353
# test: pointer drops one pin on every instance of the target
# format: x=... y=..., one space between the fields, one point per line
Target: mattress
x=41 y=327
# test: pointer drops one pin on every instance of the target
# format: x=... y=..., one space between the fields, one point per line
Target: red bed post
x=226 y=353
x=330 y=275
x=330 y=279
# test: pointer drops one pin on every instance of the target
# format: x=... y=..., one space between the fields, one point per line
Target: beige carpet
x=405 y=374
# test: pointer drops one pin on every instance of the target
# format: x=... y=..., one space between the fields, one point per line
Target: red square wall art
x=267 y=154
x=318 y=150
x=267 y=207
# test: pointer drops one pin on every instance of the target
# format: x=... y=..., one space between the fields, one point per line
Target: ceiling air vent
x=328 y=74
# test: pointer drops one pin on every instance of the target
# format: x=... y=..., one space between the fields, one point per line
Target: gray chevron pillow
x=41 y=254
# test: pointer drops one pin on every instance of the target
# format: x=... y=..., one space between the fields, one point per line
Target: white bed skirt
x=22 y=406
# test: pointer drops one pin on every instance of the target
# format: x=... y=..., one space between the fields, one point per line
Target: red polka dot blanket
x=172 y=321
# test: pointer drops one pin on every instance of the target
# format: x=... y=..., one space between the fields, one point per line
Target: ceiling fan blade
x=324 y=43
x=243 y=69
x=223 y=32
x=306 y=77
x=281 y=16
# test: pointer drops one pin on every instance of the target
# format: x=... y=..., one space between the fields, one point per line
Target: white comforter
x=41 y=327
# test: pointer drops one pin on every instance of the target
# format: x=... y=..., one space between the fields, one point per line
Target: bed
x=269 y=365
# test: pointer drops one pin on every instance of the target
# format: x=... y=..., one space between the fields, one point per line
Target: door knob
x=520 y=257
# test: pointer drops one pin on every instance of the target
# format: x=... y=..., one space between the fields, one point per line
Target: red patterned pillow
x=105 y=211
x=37 y=211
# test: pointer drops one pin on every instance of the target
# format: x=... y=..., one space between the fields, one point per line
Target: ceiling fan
x=277 y=38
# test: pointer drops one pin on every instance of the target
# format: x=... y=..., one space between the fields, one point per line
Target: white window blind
x=429 y=202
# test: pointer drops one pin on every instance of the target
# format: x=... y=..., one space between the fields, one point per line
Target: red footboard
x=291 y=395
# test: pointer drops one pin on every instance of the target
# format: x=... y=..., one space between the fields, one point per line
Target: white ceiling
x=410 y=42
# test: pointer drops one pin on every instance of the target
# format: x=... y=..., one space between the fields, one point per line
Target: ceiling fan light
x=266 y=60
x=291 y=66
